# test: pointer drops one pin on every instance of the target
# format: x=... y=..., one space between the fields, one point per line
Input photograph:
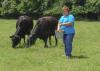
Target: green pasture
x=86 y=51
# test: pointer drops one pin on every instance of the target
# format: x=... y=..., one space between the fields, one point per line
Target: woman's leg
x=68 y=39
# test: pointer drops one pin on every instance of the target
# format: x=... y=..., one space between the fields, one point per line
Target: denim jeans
x=68 y=39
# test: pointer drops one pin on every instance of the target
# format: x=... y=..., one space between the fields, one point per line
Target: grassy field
x=86 y=51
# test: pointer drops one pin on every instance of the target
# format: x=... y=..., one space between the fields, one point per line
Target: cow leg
x=56 y=40
x=24 y=41
x=19 y=44
x=45 y=41
x=29 y=41
x=50 y=40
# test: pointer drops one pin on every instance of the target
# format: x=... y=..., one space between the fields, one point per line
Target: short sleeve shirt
x=67 y=19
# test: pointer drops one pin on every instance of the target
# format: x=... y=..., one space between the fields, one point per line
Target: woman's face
x=65 y=12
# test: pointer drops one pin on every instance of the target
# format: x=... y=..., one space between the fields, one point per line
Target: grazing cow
x=44 y=29
x=23 y=27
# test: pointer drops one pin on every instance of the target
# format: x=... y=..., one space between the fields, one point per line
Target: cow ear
x=11 y=36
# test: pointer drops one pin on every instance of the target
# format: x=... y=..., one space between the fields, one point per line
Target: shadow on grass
x=79 y=57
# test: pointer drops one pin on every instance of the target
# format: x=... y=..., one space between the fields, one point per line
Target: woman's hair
x=65 y=8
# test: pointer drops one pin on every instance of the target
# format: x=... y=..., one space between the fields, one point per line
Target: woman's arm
x=67 y=24
x=58 y=27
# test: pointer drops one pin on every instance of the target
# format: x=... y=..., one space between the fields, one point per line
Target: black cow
x=23 y=27
x=44 y=29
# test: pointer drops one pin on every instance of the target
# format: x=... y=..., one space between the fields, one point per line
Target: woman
x=66 y=25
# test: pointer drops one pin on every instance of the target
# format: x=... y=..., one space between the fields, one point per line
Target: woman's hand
x=60 y=30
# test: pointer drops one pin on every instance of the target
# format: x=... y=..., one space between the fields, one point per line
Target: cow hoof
x=27 y=46
x=14 y=47
x=46 y=46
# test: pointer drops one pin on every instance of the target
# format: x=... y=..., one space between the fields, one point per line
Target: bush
x=80 y=8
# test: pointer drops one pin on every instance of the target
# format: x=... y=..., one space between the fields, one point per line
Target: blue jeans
x=68 y=39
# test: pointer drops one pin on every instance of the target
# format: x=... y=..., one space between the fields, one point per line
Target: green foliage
x=48 y=7
x=52 y=11
x=54 y=8
x=8 y=6
x=90 y=6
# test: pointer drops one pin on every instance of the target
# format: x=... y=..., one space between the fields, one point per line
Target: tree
x=48 y=7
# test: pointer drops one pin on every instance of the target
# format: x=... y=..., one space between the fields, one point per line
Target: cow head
x=31 y=40
x=15 y=40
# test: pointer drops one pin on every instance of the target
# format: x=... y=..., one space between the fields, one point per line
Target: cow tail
x=55 y=35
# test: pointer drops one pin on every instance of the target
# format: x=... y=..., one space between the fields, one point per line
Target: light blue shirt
x=65 y=19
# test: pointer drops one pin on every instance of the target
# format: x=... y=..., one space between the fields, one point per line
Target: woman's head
x=65 y=10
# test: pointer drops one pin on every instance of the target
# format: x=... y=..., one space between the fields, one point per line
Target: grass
x=86 y=51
